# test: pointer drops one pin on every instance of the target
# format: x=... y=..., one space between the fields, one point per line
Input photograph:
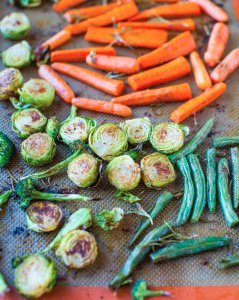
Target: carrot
x=120 y=64
x=174 y=25
x=172 y=93
x=62 y=88
x=201 y=75
x=217 y=44
x=198 y=103
x=165 y=1
x=98 y=81
x=80 y=54
x=102 y=106
x=212 y=10
x=57 y=40
x=226 y=67
x=178 y=10
x=145 y=38
x=165 y=73
x=120 y=13
x=235 y=4
x=181 y=45
x=66 y=4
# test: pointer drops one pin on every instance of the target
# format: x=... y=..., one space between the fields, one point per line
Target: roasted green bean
x=234 y=155
x=225 y=141
x=229 y=261
x=211 y=179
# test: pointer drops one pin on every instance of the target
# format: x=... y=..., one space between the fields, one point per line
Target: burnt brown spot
x=35 y=116
x=162 y=168
x=82 y=247
x=162 y=134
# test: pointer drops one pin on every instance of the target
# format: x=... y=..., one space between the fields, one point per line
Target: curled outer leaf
x=109 y=219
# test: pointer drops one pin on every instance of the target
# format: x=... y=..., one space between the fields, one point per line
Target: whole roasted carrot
x=165 y=1
x=102 y=106
x=217 y=44
x=172 y=93
x=66 y=4
x=213 y=10
x=79 y=54
x=229 y=64
x=196 y=104
x=57 y=40
x=177 y=10
x=235 y=4
x=165 y=73
x=173 y=25
x=181 y=45
x=98 y=81
x=120 y=64
x=120 y=13
x=63 y=90
x=201 y=75
x=145 y=38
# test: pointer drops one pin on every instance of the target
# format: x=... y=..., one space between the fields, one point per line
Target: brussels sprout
x=3 y=286
x=53 y=128
x=123 y=173
x=25 y=3
x=137 y=130
x=18 y=55
x=77 y=249
x=38 y=149
x=168 y=137
x=34 y=275
x=108 y=141
x=109 y=220
x=10 y=80
x=157 y=170
x=28 y=121
x=5 y=197
x=7 y=150
x=84 y=170
x=43 y=216
x=15 y=26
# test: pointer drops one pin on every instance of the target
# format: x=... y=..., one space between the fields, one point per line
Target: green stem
x=60 y=197
x=229 y=261
x=73 y=114
x=155 y=293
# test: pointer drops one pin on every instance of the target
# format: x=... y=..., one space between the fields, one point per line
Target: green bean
x=192 y=145
x=157 y=207
x=223 y=193
x=234 y=155
x=225 y=141
x=200 y=187
x=189 y=192
x=229 y=261
x=211 y=179
x=189 y=247
x=138 y=254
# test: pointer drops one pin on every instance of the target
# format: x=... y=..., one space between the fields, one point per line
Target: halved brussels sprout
x=77 y=249
x=109 y=219
x=84 y=170
x=25 y=3
x=38 y=149
x=168 y=137
x=37 y=93
x=123 y=173
x=7 y=150
x=10 y=80
x=53 y=127
x=28 y=121
x=34 y=276
x=18 y=55
x=43 y=216
x=15 y=26
x=108 y=141
x=137 y=130
x=157 y=170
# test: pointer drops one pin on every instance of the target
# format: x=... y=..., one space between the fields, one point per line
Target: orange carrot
x=217 y=44
x=226 y=67
x=181 y=45
x=120 y=64
x=102 y=106
x=120 y=13
x=174 y=25
x=165 y=1
x=79 y=55
x=98 y=81
x=235 y=4
x=177 y=10
x=212 y=10
x=62 y=88
x=145 y=38
x=57 y=40
x=66 y=4
x=165 y=73
x=201 y=75
x=174 y=93
x=196 y=104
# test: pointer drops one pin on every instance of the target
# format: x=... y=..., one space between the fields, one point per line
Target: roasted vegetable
x=7 y=150
x=157 y=170
x=140 y=291
x=234 y=155
x=25 y=3
x=211 y=179
x=225 y=141
x=109 y=219
x=5 y=197
x=10 y=80
x=28 y=121
x=53 y=128
x=123 y=173
x=3 y=286
x=34 y=275
x=15 y=26
x=229 y=261
x=126 y=197
x=43 y=216
x=108 y=141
